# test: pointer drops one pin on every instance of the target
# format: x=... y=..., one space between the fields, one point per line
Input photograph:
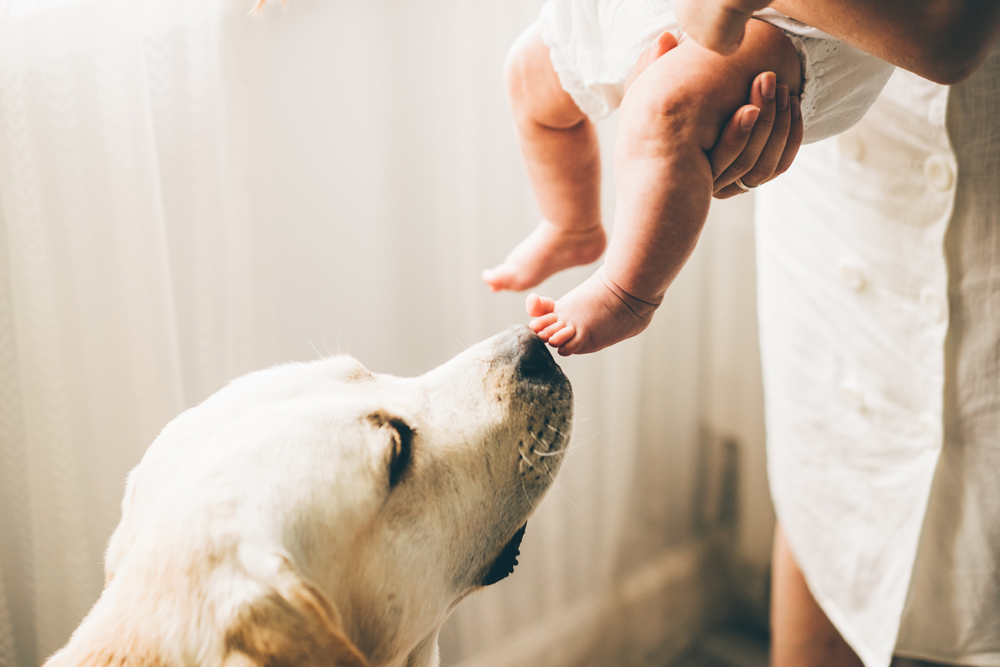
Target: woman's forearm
x=942 y=40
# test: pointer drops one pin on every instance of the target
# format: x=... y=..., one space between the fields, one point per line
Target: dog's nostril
x=534 y=359
x=524 y=351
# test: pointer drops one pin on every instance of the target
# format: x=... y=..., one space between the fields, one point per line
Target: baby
x=571 y=67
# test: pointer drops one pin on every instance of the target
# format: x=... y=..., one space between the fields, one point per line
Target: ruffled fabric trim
x=562 y=53
x=839 y=82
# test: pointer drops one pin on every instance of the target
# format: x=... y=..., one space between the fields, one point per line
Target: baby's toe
x=540 y=324
x=563 y=336
x=538 y=306
x=500 y=278
x=572 y=346
x=551 y=330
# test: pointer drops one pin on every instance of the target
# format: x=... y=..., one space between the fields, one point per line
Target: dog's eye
x=401 y=443
x=400 y=440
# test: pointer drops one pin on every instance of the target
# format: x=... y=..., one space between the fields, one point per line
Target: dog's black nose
x=529 y=354
x=535 y=360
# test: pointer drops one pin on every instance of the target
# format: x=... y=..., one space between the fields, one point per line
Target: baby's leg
x=670 y=117
x=560 y=149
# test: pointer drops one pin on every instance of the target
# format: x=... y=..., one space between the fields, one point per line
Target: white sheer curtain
x=187 y=195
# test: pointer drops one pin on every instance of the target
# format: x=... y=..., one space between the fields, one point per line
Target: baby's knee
x=660 y=107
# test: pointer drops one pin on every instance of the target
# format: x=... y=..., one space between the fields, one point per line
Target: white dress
x=879 y=303
x=594 y=44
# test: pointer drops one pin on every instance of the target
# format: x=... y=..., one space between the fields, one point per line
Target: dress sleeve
x=840 y=82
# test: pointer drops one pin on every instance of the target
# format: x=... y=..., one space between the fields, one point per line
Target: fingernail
x=796 y=108
x=767 y=86
x=782 y=98
x=749 y=119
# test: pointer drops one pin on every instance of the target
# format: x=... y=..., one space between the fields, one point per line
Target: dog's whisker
x=530 y=464
x=549 y=473
x=526 y=496
x=551 y=476
x=540 y=441
x=573 y=449
x=542 y=516
x=318 y=355
x=339 y=350
x=538 y=453
x=560 y=489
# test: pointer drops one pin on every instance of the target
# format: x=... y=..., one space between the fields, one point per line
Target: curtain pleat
x=187 y=195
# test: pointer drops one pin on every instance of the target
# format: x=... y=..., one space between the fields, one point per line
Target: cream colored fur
x=262 y=527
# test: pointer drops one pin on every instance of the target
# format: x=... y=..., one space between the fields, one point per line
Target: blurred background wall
x=187 y=194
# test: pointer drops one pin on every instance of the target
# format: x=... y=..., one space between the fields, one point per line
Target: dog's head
x=319 y=506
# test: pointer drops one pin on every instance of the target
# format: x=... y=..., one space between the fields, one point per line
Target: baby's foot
x=548 y=249
x=591 y=317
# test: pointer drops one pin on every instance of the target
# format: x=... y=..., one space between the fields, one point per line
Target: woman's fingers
x=733 y=138
x=794 y=140
x=778 y=154
x=762 y=95
x=775 y=146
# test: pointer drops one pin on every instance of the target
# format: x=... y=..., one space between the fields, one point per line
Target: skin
x=718 y=25
x=801 y=634
x=941 y=40
x=673 y=114
x=550 y=126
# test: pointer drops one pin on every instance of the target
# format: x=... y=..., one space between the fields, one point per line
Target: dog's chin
x=505 y=563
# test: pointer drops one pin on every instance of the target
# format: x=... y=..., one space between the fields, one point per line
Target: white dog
x=319 y=514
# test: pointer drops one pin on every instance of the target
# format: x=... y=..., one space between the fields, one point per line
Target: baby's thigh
x=533 y=87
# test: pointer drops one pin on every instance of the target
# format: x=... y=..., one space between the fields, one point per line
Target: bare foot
x=591 y=317
x=548 y=249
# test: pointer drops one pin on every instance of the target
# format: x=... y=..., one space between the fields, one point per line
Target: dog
x=320 y=514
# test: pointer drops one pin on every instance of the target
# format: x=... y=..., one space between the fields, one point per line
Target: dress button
x=852 y=394
x=851 y=146
x=934 y=304
x=852 y=273
x=939 y=173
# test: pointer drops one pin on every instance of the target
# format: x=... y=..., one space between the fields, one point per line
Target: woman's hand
x=758 y=143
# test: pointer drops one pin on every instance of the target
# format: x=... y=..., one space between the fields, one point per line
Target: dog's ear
x=294 y=627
